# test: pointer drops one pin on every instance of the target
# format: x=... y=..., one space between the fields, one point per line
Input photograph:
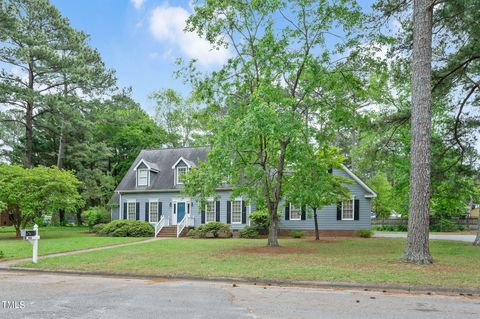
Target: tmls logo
x=13 y=304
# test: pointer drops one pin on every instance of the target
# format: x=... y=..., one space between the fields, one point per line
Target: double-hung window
x=153 y=211
x=210 y=211
x=295 y=212
x=237 y=212
x=132 y=210
x=347 y=209
x=142 y=177
x=181 y=172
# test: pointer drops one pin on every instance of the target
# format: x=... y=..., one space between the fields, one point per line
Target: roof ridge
x=171 y=148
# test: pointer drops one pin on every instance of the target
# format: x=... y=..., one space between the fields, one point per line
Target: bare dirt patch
x=282 y=250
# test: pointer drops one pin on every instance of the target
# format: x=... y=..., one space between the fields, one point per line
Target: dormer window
x=181 y=172
x=142 y=177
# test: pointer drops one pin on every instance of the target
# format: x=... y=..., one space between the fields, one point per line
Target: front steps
x=171 y=232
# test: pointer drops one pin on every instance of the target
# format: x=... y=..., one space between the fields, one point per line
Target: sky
x=141 y=39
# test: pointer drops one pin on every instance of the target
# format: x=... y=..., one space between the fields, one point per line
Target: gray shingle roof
x=162 y=160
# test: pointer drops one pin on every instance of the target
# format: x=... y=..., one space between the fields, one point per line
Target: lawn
x=54 y=240
x=374 y=260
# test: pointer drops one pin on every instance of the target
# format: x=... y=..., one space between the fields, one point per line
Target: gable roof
x=162 y=160
x=181 y=159
x=360 y=182
x=151 y=166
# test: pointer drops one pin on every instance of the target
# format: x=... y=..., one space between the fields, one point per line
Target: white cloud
x=167 y=24
x=137 y=3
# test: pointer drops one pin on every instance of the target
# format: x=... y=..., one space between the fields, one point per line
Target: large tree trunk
x=317 y=233
x=61 y=147
x=417 y=248
x=29 y=135
x=476 y=242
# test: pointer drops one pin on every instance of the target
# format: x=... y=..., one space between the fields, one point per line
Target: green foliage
x=297 y=233
x=95 y=215
x=196 y=233
x=397 y=228
x=126 y=228
x=265 y=104
x=31 y=192
x=249 y=232
x=98 y=228
x=364 y=233
x=445 y=225
x=211 y=230
x=382 y=205
x=260 y=218
x=2 y=254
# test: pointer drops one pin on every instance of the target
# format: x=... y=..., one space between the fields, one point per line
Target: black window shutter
x=339 y=211
x=217 y=211
x=244 y=212
x=138 y=211
x=125 y=210
x=304 y=213
x=202 y=214
x=229 y=212
x=159 y=210
x=356 y=212
x=287 y=211
x=147 y=210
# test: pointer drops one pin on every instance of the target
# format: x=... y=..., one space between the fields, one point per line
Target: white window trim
x=150 y=210
x=176 y=170
x=138 y=176
x=241 y=211
x=214 y=211
x=291 y=213
x=128 y=207
x=353 y=209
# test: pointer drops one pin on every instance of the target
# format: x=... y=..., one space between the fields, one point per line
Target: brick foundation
x=323 y=233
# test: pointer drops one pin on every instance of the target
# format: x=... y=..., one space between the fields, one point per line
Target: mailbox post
x=32 y=236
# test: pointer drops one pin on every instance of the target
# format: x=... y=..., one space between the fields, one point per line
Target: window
x=181 y=171
x=142 y=177
x=210 y=211
x=295 y=213
x=347 y=210
x=153 y=211
x=236 y=212
x=132 y=210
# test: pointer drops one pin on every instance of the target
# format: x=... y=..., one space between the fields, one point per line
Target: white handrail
x=159 y=225
x=181 y=225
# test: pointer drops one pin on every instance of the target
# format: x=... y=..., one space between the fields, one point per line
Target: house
x=152 y=188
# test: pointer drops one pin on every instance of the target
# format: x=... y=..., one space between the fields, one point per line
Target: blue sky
x=141 y=39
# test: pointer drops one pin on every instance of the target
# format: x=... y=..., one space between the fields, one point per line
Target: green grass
x=373 y=260
x=54 y=240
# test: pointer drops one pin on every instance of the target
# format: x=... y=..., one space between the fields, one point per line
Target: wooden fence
x=467 y=222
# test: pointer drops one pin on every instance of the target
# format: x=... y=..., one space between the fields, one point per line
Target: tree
x=322 y=190
x=382 y=205
x=177 y=115
x=417 y=249
x=31 y=192
x=281 y=74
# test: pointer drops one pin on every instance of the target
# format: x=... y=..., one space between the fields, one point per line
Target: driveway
x=467 y=238
x=66 y=296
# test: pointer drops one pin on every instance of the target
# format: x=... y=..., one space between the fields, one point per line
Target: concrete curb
x=268 y=282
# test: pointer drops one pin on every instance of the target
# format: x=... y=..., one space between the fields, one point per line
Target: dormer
x=181 y=168
x=143 y=172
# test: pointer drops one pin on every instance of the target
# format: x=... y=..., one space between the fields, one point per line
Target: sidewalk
x=465 y=238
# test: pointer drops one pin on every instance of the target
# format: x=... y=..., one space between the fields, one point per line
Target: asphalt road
x=63 y=296
x=466 y=238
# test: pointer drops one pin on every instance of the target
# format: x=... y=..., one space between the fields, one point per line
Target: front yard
x=54 y=240
x=374 y=260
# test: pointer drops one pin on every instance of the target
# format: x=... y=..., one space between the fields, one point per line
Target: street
x=35 y=295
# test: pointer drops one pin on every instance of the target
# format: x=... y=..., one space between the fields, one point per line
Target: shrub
x=297 y=233
x=127 y=228
x=261 y=218
x=402 y=228
x=95 y=215
x=249 y=232
x=215 y=228
x=364 y=233
x=98 y=228
x=445 y=225
x=2 y=254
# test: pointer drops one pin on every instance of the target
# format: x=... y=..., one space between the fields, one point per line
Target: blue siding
x=327 y=216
